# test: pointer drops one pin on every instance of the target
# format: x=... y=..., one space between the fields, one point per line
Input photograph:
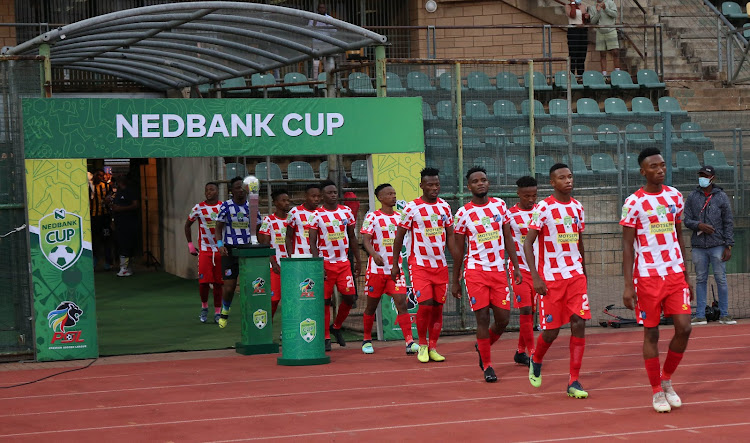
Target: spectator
x=578 y=36
x=125 y=211
x=317 y=44
x=708 y=213
x=605 y=14
x=101 y=219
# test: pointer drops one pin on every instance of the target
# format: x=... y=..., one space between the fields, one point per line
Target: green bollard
x=303 y=323
x=255 y=301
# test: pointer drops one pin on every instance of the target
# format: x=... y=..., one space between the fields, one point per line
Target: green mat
x=158 y=312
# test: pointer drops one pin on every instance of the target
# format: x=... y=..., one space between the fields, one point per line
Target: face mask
x=704 y=182
x=578 y=2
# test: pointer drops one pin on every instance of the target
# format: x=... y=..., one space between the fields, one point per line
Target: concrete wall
x=182 y=182
x=7 y=15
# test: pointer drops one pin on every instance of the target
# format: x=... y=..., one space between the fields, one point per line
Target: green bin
x=302 y=309
x=255 y=301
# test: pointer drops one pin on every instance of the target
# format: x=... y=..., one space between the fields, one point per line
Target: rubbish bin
x=302 y=305
x=255 y=301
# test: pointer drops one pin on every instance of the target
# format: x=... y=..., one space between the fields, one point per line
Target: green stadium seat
x=540 y=81
x=637 y=134
x=746 y=30
x=508 y=82
x=578 y=165
x=642 y=107
x=594 y=80
x=630 y=164
x=444 y=110
x=553 y=137
x=542 y=163
x=649 y=79
x=603 y=164
x=447 y=83
x=491 y=166
x=299 y=170
x=506 y=110
x=360 y=84
x=561 y=81
x=724 y=172
x=616 y=107
x=262 y=170
x=359 y=171
x=236 y=82
x=323 y=169
x=516 y=167
x=659 y=134
x=477 y=110
x=296 y=77
x=437 y=138
x=671 y=105
x=583 y=137
x=471 y=139
x=521 y=136
x=321 y=87
x=558 y=108
x=691 y=132
x=733 y=11
x=427 y=114
x=419 y=82
x=393 y=84
x=687 y=164
x=495 y=137
x=203 y=89
x=539 y=112
x=236 y=170
x=263 y=80
x=589 y=108
x=609 y=135
x=622 y=80
x=478 y=81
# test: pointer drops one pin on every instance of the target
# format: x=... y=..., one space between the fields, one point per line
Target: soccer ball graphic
x=251 y=184
x=62 y=255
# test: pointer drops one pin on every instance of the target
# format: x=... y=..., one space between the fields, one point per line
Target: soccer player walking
x=332 y=234
x=430 y=222
x=273 y=232
x=558 y=221
x=520 y=219
x=485 y=223
x=298 y=219
x=209 y=258
x=379 y=230
x=655 y=276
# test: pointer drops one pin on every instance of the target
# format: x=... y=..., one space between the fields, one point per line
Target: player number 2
x=585 y=304
x=349 y=281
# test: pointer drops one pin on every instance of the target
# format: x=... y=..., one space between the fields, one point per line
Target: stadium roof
x=176 y=45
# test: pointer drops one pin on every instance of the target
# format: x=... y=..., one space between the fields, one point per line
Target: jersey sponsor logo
x=434 y=232
x=488 y=236
x=388 y=241
x=307 y=232
x=661 y=228
x=308 y=330
x=260 y=318
x=239 y=224
x=334 y=236
x=567 y=237
x=280 y=239
x=523 y=239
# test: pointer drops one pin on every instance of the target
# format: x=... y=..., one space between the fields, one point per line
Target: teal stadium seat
x=521 y=136
x=393 y=84
x=359 y=171
x=616 y=107
x=649 y=79
x=477 y=110
x=638 y=135
x=496 y=137
x=691 y=133
x=540 y=81
x=642 y=107
x=360 y=84
x=558 y=108
x=427 y=114
x=539 y=112
x=553 y=137
x=419 y=82
x=578 y=165
x=516 y=167
x=263 y=169
x=583 y=137
x=589 y=108
x=236 y=82
x=471 y=139
x=321 y=87
x=296 y=77
x=236 y=170
x=672 y=106
x=604 y=165
x=505 y=110
x=594 y=80
x=561 y=81
x=746 y=31
x=623 y=81
x=542 y=163
x=448 y=83
x=687 y=165
x=733 y=11
x=659 y=134
x=630 y=164
x=444 y=110
x=299 y=170
x=508 y=82
x=262 y=80
x=323 y=169
x=609 y=135
x=479 y=81
x=724 y=172
x=437 y=138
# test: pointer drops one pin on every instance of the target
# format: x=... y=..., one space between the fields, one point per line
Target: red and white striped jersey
x=275 y=228
x=519 y=226
x=657 y=251
x=333 y=240
x=206 y=215
x=298 y=219
x=560 y=226
x=483 y=228
x=427 y=223
x=382 y=228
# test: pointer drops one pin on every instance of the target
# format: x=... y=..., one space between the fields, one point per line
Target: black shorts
x=230 y=265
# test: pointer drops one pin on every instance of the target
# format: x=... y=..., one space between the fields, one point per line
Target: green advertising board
x=126 y=128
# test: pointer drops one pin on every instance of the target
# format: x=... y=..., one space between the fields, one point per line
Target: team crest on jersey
x=498 y=218
x=535 y=216
x=624 y=212
x=366 y=224
x=444 y=218
x=568 y=221
x=391 y=228
x=672 y=209
x=643 y=315
x=264 y=226
x=472 y=300
x=434 y=217
x=518 y=298
x=661 y=210
x=548 y=318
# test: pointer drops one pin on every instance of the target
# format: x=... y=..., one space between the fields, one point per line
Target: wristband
x=220 y=244
x=191 y=248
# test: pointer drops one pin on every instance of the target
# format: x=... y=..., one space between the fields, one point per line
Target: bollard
x=255 y=301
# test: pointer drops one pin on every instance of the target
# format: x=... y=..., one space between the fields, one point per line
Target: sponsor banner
x=61 y=260
x=114 y=128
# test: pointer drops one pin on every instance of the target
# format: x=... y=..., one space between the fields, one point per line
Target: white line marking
x=693 y=430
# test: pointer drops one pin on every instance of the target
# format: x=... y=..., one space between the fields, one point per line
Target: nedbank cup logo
x=260 y=318
x=307 y=329
x=61 y=238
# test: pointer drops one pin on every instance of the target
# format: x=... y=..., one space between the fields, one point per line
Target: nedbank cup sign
x=61 y=238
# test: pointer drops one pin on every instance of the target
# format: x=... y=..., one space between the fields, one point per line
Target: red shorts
x=524 y=293
x=669 y=294
x=338 y=274
x=564 y=298
x=275 y=286
x=209 y=267
x=429 y=283
x=486 y=288
x=379 y=284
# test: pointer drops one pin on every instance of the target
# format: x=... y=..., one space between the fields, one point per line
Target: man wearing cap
x=708 y=212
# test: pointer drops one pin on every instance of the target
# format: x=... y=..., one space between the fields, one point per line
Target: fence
x=19 y=77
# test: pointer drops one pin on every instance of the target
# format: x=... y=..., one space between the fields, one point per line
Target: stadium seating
x=616 y=107
x=321 y=87
x=490 y=165
x=724 y=172
x=478 y=81
x=558 y=108
x=553 y=137
x=603 y=165
x=521 y=136
x=561 y=81
x=419 y=82
x=609 y=135
x=296 y=77
x=237 y=82
x=471 y=139
x=638 y=135
x=733 y=11
x=360 y=84
x=581 y=174
x=323 y=170
x=622 y=80
x=691 y=132
x=447 y=83
x=630 y=165
x=263 y=169
x=203 y=89
x=506 y=110
x=539 y=112
x=516 y=167
x=427 y=114
x=437 y=138
x=583 y=137
x=359 y=171
x=477 y=110
x=594 y=80
x=671 y=105
x=659 y=134
x=746 y=31
x=496 y=137
x=642 y=107
x=236 y=170
x=508 y=82
x=540 y=81
x=262 y=80
x=444 y=110
x=300 y=170
x=393 y=84
x=687 y=165
x=589 y=108
x=649 y=79
x=542 y=163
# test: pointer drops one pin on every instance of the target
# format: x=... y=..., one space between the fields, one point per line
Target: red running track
x=388 y=396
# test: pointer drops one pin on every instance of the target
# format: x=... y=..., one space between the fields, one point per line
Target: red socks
x=218 y=289
x=541 y=349
x=368 y=320
x=526 y=335
x=404 y=320
x=577 y=346
x=493 y=337
x=424 y=313
x=483 y=344
x=327 y=321
x=652 y=370
x=203 y=292
x=341 y=315
x=436 y=324
x=274 y=305
x=670 y=364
